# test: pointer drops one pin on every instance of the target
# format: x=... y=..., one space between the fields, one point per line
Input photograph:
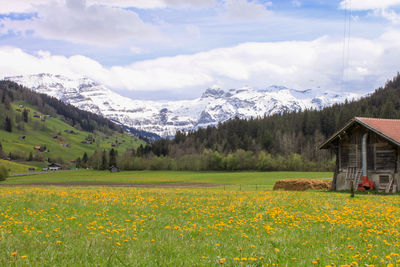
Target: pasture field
x=156 y=177
x=96 y=226
x=15 y=167
x=53 y=133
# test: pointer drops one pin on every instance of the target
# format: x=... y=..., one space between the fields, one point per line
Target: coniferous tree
x=78 y=163
x=2 y=153
x=112 y=158
x=85 y=160
x=7 y=125
x=104 y=164
x=25 y=115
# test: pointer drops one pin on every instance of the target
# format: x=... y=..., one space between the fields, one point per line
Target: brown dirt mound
x=302 y=184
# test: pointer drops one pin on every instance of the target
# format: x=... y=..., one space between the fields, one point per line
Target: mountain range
x=164 y=118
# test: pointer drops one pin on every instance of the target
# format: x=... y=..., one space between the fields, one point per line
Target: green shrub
x=3 y=173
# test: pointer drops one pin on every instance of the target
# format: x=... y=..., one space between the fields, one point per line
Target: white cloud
x=302 y=65
x=78 y=23
x=22 y=6
x=245 y=10
x=189 y=3
x=296 y=3
x=19 y=6
x=136 y=50
x=390 y=15
x=381 y=8
x=369 y=4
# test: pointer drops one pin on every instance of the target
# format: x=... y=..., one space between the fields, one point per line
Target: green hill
x=36 y=137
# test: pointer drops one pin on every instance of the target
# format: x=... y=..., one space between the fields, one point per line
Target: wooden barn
x=367 y=155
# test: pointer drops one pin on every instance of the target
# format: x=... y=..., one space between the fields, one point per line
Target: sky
x=176 y=49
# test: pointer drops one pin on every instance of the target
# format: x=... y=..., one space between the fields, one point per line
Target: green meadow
x=154 y=177
x=100 y=226
x=16 y=167
x=54 y=133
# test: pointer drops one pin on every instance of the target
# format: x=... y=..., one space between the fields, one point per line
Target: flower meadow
x=97 y=226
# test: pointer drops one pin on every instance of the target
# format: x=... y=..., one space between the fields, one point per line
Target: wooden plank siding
x=385 y=157
x=382 y=156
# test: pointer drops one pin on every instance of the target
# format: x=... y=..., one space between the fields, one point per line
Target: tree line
x=208 y=160
x=280 y=135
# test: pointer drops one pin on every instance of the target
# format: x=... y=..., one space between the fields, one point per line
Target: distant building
x=54 y=167
x=367 y=155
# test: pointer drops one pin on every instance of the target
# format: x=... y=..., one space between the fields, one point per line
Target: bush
x=3 y=173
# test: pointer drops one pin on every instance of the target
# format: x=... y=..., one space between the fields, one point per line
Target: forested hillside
x=36 y=130
x=87 y=121
x=283 y=141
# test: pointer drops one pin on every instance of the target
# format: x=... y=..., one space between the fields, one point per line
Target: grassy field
x=195 y=227
x=153 y=177
x=15 y=167
x=39 y=133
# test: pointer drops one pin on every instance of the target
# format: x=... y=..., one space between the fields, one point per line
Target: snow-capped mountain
x=165 y=118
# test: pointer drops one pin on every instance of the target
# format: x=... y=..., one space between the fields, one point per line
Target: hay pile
x=302 y=184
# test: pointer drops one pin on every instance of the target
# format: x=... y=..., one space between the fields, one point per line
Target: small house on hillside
x=54 y=167
x=367 y=155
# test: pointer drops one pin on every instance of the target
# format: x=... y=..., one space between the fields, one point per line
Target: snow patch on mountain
x=165 y=118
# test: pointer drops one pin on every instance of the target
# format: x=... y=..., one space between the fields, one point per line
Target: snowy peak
x=165 y=118
x=213 y=93
x=275 y=88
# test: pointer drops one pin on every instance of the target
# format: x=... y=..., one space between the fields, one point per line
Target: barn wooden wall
x=382 y=156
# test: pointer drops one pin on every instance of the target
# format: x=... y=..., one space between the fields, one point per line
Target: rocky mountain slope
x=165 y=118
